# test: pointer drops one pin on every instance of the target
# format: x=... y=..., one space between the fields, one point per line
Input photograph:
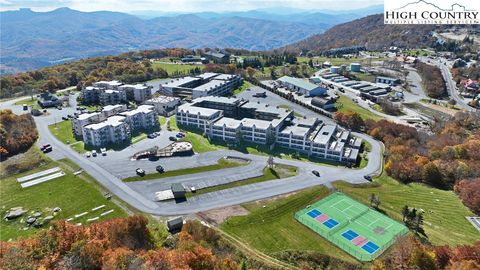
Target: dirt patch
x=218 y=216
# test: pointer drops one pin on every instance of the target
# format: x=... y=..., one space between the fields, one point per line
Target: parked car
x=64 y=118
x=47 y=149
x=178 y=135
x=94 y=153
x=367 y=177
x=316 y=173
x=157 y=133
x=140 y=172
x=88 y=154
x=173 y=139
x=45 y=146
x=151 y=136
x=193 y=189
x=103 y=151
x=160 y=169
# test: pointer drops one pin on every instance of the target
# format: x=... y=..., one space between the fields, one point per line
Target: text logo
x=432 y=12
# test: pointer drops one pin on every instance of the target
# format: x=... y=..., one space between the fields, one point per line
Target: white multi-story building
x=143 y=117
x=137 y=92
x=85 y=119
x=112 y=97
x=112 y=85
x=268 y=125
x=112 y=130
x=110 y=110
x=164 y=105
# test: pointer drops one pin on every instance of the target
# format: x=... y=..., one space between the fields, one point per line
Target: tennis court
x=359 y=230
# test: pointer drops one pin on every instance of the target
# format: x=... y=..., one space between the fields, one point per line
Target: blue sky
x=185 y=5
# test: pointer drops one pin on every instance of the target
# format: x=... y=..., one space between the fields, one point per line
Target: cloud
x=184 y=5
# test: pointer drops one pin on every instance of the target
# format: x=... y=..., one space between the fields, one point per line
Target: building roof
x=111 y=83
x=139 y=109
x=296 y=130
x=177 y=187
x=197 y=110
x=85 y=116
x=216 y=99
x=225 y=77
x=387 y=78
x=227 y=122
x=261 y=124
x=325 y=134
x=112 y=107
x=113 y=121
x=299 y=83
x=209 y=85
x=135 y=86
x=207 y=75
x=179 y=82
x=162 y=99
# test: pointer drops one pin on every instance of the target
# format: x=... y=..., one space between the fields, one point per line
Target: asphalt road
x=139 y=196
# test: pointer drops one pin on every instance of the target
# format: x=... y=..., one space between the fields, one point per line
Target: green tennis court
x=359 y=230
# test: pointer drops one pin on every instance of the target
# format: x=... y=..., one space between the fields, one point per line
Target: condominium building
x=137 y=92
x=115 y=92
x=143 y=117
x=206 y=84
x=164 y=105
x=85 y=119
x=235 y=120
x=112 y=130
x=110 y=110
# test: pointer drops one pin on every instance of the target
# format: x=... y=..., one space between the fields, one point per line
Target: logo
x=431 y=12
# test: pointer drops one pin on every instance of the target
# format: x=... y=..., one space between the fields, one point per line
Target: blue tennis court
x=370 y=247
x=349 y=235
x=314 y=213
x=330 y=223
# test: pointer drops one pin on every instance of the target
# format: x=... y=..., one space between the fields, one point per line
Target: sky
x=184 y=5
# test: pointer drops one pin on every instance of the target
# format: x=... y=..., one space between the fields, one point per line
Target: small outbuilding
x=178 y=191
x=46 y=100
x=175 y=224
x=326 y=104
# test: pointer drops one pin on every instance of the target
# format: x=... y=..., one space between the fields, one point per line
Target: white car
x=88 y=154
x=94 y=153
x=103 y=151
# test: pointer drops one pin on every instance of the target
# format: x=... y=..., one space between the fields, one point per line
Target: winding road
x=140 y=194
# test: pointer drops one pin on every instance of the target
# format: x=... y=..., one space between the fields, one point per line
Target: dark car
x=47 y=149
x=173 y=139
x=140 y=172
x=367 y=177
x=316 y=173
x=159 y=169
x=151 y=136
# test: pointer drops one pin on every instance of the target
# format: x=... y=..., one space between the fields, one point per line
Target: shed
x=178 y=191
x=175 y=224
x=325 y=104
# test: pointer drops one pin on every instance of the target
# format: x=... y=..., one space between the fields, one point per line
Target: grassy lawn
x=138 y=137
x=63 y=132
x=162 y=120
x=278 y=172
x=241 y=88
x=271 y=228
x=173 y=124
x=30 y=101
x=174 y=68
x=364 y=77
x=73 y=194
x=345 y=104
x=444 y=215
x=222 y=164
x=200 y=144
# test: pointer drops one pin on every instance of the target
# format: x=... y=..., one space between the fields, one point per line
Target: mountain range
x=35 y=39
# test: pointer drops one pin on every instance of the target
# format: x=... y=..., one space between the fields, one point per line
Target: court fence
x=362 y=256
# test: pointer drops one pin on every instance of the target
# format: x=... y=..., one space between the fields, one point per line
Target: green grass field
x=63 y=132
x=173 y=68
x=345 y=104
x=444 y=215
x=241 y=88
x=28 y=101
x=222 y=164
x=278 y=172
x=199 y=143
x=271 y=228
x=360 y=231
x=73 y=194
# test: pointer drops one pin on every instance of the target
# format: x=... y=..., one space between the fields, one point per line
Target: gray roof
x=197 y=110
x=299 y=83
x=296 y=130
x=228 y=122
x=207 y=75
x=325 y=134
x=209 y=85
x=177 y=187
x=179 y=81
